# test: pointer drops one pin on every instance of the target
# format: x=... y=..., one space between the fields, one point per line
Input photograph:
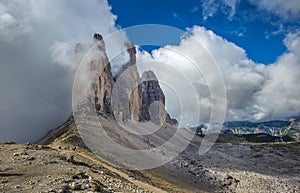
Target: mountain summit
x=124 y=96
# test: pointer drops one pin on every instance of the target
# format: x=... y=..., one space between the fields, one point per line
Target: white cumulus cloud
x=254 y=91
x=287 y=9
x=37 y=38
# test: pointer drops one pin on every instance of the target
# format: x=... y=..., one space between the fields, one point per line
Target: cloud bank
x=288 y=9
x=254 y=91
x=37 y=40
x=211 y=7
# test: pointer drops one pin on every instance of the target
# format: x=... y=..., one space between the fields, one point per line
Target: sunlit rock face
x=124 y=96
x=104 y=84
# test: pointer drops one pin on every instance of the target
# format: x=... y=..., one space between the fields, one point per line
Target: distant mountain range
x=278 y=128
x=275 y=128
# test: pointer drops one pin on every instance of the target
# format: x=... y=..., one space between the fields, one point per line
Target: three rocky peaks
x=125 y=95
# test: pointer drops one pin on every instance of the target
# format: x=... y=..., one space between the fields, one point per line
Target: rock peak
x=132 y=53
x=98 y=37
x=127 y=96
x=148 y=76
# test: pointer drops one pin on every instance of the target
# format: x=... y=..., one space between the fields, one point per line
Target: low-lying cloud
x=37 y=41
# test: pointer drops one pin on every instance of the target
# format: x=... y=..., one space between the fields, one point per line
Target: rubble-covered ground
x=38 y=168
x=226 y=167
x=64 y=164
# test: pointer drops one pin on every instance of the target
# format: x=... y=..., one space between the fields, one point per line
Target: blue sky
x=258 y=29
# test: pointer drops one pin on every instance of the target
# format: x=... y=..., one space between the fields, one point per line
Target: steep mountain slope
x=66 y=139
x=225 y=168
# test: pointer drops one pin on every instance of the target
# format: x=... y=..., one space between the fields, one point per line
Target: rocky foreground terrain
x=245 y=167
x=39 y=168
x=63 y=164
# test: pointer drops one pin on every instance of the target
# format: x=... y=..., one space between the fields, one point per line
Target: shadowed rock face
x=126 y=96
x=153 y=99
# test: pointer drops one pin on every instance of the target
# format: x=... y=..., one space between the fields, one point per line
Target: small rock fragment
x=75 y=186
x=31 y=158
x=80 y=175
x=97 y=186
x=70 y=158
x=64 y=189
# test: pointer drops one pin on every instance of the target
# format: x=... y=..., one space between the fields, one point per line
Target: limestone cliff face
x=104 y=84
x=153 y=99
x=125 y=96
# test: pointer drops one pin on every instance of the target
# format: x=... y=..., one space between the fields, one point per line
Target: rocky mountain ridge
x=293 y=130
x=276 y=128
